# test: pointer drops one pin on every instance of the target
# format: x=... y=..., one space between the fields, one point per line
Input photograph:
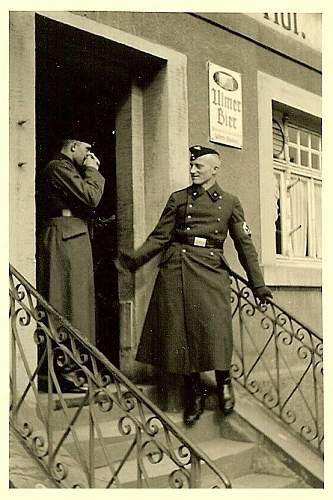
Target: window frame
x=307 y=170
x=286 y=170
x=279 y=270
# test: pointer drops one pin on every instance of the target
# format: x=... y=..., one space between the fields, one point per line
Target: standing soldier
x=188 y=327
x=71 y=187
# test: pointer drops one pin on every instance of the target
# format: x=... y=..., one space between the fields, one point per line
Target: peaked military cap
x=197 y=151
x=78 y=130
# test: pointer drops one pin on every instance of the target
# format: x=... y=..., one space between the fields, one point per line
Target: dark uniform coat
x=188 y=327
x=65 y=267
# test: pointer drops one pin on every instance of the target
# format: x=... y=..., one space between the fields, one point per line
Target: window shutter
x=278 y=140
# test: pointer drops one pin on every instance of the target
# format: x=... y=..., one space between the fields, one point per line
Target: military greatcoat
x=188 y=327
x=65 y=268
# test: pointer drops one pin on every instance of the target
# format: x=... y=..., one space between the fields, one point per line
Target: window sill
x=293 y=273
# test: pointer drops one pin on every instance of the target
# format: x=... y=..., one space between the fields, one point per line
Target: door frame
x=149 y=155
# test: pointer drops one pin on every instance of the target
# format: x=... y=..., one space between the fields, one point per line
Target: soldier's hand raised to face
x=91 y=161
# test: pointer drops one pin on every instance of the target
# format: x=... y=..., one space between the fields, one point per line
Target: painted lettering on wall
x=287 y=21
x=225 y=106
x=301 y=27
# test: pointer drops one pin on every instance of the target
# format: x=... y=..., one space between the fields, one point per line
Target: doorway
x=132 y=95
x=77 y=81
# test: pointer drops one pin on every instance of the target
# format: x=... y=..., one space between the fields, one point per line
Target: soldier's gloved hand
x=124 y=262
x=91 y=161
x=120 y=268
x=263 y=293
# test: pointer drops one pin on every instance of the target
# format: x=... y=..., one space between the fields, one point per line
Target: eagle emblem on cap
x=198 y=150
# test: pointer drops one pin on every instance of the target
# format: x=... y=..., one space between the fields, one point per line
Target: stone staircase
x=248 y=458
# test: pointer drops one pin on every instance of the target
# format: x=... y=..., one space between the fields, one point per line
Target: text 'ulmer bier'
x=225 y=106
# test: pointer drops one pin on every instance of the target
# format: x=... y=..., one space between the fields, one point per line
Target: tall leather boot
x=194 y=399
x=225 y=391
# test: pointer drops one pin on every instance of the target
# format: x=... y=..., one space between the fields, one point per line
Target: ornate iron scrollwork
x=267 y=342
x=278 y=360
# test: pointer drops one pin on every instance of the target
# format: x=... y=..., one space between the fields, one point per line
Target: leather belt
x=198 y=241
x=61 y=212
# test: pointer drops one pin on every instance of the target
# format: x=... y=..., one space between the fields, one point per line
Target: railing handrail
x=282 y=309
x=131 y=386
x=258 y=362
x=232 y=273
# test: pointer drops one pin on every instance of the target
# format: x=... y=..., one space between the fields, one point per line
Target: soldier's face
x=203 y=170
x=80 y=152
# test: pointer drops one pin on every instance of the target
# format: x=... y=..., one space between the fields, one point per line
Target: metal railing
x=113 y=436
x=279 y=360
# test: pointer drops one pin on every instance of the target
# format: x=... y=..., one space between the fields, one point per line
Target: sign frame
x=225 y=106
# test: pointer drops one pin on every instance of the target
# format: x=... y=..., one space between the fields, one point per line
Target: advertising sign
x=225 y=106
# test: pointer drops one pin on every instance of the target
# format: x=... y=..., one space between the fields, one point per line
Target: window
x=292 y=110
x=297 y=178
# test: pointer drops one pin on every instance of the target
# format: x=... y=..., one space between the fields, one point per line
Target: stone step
x=234 y=458
x=64 y=410
x=115 y=444
x=224 y=439
x=257 y=480
x=210 y=424
x=61 y=417
x=252 y=480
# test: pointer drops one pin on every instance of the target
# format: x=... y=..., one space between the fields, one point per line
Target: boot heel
x=226 y=396
x=194 y=399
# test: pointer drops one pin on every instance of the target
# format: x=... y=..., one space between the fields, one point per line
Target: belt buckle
x=65 y=212
x=199 y=242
